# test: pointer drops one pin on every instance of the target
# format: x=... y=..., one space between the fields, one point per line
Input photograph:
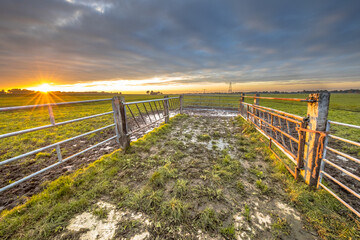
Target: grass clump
x=246 y=213
x=120 y=192
x=262 y=186
x=42 y=155
x=216 y=134
x=210 y=192
x=188 y=135
x=126 y=228
x=250 y=156
x=181 y=188
x=204 y=137
x=145 y=200
x=280 y=228
x=228 y=232
x=259 y=174
x=100 y=213
x=240 y=187
x=174 y=210
x=160 y=176
x=208 y=220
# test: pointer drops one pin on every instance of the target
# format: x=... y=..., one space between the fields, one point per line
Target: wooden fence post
x=256 y=100
x=241 y=101
x=120 y=121
x=166 y=109
x=181 y=99
x=317 y=118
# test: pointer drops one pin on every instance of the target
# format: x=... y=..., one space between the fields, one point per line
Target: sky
x=179 y=46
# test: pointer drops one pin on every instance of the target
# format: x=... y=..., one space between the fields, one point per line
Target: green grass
x=262 y=186
x=204 y=137
x=181 y=188
x=280 y=227
x=208 y=220
x=228 y=232
x=246 y=213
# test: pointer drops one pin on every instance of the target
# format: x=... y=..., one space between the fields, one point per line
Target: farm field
x=194 y=178
x=343 y=107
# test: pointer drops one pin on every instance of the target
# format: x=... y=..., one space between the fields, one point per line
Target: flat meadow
x=12 y=121
x=343 y=108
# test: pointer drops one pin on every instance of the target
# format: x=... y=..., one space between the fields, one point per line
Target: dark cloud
x=212 y=41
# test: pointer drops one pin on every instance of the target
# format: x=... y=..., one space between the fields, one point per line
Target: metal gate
x=283 y=131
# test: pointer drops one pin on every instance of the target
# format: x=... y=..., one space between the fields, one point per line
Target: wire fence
x=139 y=115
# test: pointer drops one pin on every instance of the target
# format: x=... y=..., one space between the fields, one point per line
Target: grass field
x=343 y=108
x=189 y=179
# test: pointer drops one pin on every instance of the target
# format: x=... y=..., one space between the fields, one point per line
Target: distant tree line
x=153 y=93
x=16 y=91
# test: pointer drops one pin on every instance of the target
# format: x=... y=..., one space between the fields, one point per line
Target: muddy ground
x=213 y=183
x=26 y=166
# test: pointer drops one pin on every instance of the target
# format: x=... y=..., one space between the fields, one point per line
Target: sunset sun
x=44 y=88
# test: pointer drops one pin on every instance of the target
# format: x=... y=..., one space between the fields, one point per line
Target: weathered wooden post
x=317 y=118
x=181 y=99
x=120 y=121
x=256 y=102
x=166 y=108
x=241 y=101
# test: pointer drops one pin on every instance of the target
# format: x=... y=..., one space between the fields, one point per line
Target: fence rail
x=136 y=111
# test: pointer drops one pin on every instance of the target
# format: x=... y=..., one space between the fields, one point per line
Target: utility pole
x=230 y=87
